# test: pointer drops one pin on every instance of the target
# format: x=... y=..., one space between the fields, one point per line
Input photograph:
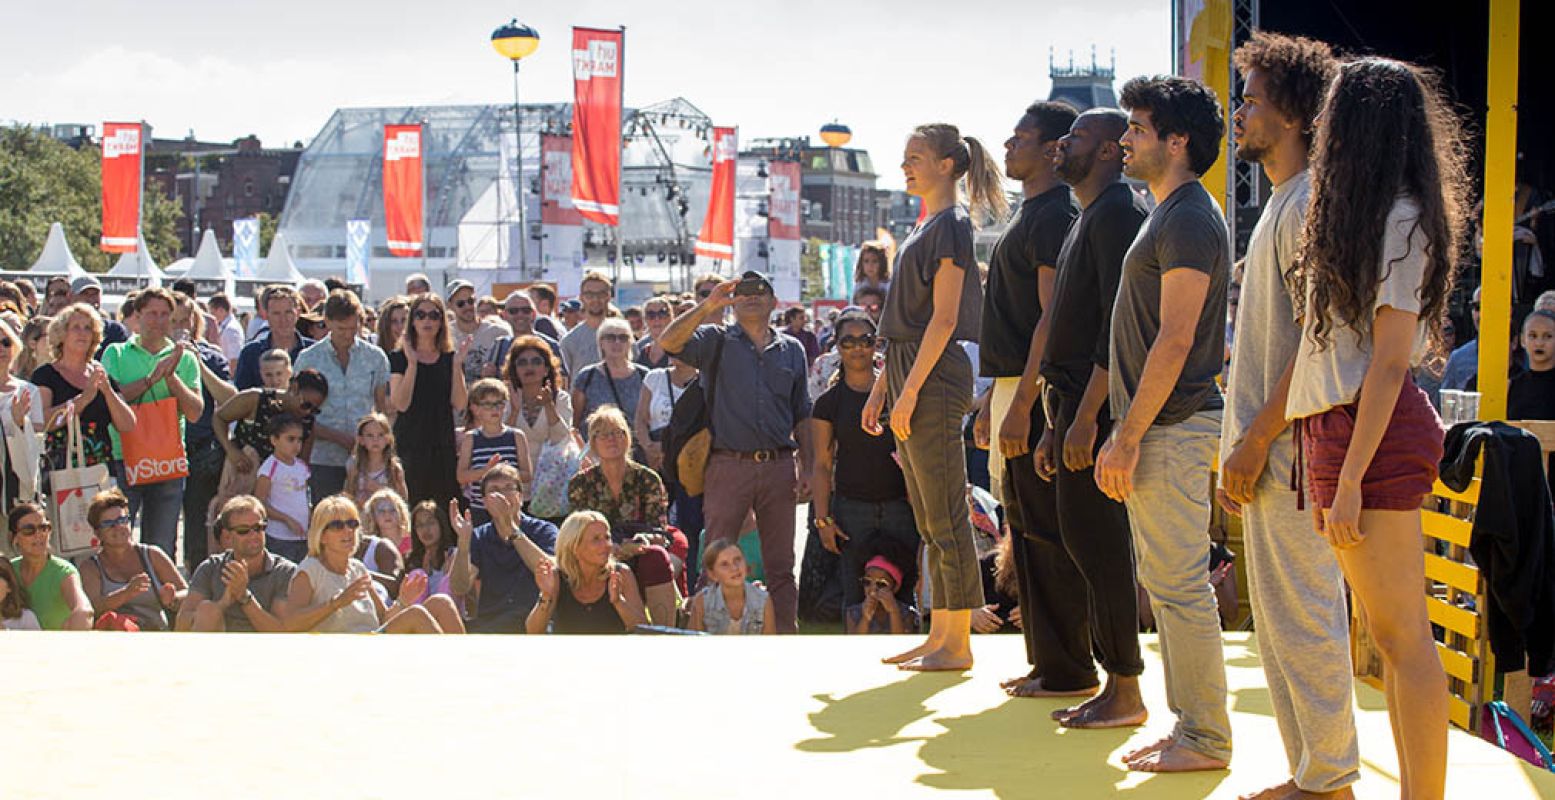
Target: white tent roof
x=138 y=264
x=56 y=258
x=208 y=262
x=279 y=267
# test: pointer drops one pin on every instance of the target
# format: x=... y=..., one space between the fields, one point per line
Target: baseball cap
x=572 y=305
x=753 y=275
x=455 y=287
x=84 y=283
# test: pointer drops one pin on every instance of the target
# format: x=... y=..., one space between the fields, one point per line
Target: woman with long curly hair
x=1383 y=229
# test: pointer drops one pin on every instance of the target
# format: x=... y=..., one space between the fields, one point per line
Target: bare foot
x=1149 y=749
x=1034 y=688
x=1107 y=712
x=1008 y=683
x=1065 y=713
x=1175 y=757
x=916 y=652
x=1290 y=791
x=938 y=661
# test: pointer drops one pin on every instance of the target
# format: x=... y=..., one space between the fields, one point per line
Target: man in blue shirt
x=760 y=418
x=502 y=554
x=281 y=305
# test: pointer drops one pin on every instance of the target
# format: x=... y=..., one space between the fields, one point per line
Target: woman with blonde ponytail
x=935 y=300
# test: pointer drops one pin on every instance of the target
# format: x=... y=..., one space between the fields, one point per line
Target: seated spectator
x=1545 y=301
x=375 y=462
x=614 y=380
x=487 y=442
x=632 y=500
x=242 y=589
x=730 y=604
x=881 y=611
x=381 y=556
x=1532 y=393
x=584 y=573
x=332 y=592
x=388 y=518
x=50 y=585
x=127 y=579
x=14 y=614
x=282 y=484
x=432 y=550
x=1463 y=363
x=500 y=558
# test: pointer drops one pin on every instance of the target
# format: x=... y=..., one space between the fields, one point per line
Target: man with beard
x=1014 y=332
x=1093 y=528
x=580 y=347
x=1297 y=591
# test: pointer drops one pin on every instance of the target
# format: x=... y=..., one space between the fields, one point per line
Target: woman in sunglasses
x=426 y=387
x=657 y=314
x=536 y=403
x=51 y=584
x=254 y=410
x=137 y=581
x=75 y=382
x=333 y=592
x=614 y=381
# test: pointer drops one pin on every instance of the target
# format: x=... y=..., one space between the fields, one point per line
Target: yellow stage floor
x=169 y=716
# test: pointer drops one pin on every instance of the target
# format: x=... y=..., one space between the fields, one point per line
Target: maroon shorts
x=1403 y=470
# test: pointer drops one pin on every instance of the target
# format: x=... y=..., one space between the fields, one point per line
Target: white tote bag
x=70 y=492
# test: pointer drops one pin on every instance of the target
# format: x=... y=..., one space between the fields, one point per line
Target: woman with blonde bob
x=584 y=589
x=333 y=591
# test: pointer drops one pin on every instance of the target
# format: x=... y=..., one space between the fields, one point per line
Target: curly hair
x=1385 y=130
x=540 y=348
x=1183 y=107
x=1298 y=71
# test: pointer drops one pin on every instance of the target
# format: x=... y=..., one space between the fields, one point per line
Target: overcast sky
x=774 y=68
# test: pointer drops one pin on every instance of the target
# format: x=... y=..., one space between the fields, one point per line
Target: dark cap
x=572 y=305
x=753 y=275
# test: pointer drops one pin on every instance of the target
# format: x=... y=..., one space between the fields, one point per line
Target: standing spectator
x=873 y=268
x=50 y=584
x=572 y=314
x=730 y=604
x=312 y=293
x=487 y=442
x=584 y=573
x=35 y=350
x=1532 y=393
x=282 y=484
x=759 y=419
x=537 y=405
x=634 y=318
x=281 y=306
x=872 y=300
x=56 y=295
x=502 y=557
x=1171 y=314
x=936 y=300
x=704 y=285
x=417 y=284
x=152 y=367
x=14 y=614
x=138 y=581
x=227 y=335
x=87 y=289
x=21 y=417
x=656 y=317
x=519 y=312
x=580 y=347
x=375 y=463
x=358 y=377
x=481 y=335
x=859 y=492
x=255 y=411
x=242 y=590
x=544 y=299
x=426 y=386
x=662 y=388
x=74 y=383
x=200 y=444
x=797 y=324
x=486 y=308
x=393 y=315
x=614 y=380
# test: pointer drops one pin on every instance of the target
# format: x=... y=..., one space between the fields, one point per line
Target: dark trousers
x=686 y=514
x=865 y=524
x=199 y=489
x=325 y=481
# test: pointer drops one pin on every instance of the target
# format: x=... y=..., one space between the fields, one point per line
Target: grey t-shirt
x=580 y=348
x=268 y=586
x=910 y=303
x=1186 y=231
x=1266 y=329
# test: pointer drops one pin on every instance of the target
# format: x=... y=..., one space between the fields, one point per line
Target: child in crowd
x=488 y=442
x=283 y=487
x=881 y=611
x=386 y=516
x=432 y=549
x=275 y=370
x=730 y=604
x=374 y=464
x=1532 y=394
x=14 y=613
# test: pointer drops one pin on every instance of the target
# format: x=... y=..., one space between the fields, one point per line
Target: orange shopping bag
x=154 y=451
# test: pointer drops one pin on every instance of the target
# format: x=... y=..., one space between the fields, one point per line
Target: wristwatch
x=248 y=597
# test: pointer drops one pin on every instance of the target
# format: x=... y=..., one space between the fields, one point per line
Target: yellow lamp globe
x=836 y=134
x=513 y=41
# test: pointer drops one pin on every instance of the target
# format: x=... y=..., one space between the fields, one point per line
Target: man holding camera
x=760 y=415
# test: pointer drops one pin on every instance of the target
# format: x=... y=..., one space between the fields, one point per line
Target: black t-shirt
x=864 y=469
x=1011 y=305
x=1089 y=265
x=95 y=419
x=909 y=304
x=1531 y=396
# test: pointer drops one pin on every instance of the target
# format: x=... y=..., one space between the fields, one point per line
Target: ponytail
x=969 y=159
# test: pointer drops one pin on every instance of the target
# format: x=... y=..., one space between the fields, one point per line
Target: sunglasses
x=657 y=314
x=705 y=293
x=514 y=311
x=343 y=525
x=244 y=530
x=615 y=337
x=29 y=530
x=613 y=433
x=419 y=315
x=878 y=583
x=851 y=342
x=490 y=405
x=533 y=361
x=462 y=303
x=110 y=524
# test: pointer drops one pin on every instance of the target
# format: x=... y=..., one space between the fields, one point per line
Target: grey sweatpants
x=933 y=460
x=1303 y=629
x=1169 y=513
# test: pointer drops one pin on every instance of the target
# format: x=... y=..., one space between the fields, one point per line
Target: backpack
x=688 y=441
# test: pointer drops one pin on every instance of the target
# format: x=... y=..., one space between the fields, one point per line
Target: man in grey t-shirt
x=1166 y=343
x=1296 y=588
x=243 y=589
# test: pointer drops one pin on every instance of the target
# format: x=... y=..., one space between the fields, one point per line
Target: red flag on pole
x=556 y=206
x=717 y=237
x=402 y=189
x=122 y=152
x=596 y=124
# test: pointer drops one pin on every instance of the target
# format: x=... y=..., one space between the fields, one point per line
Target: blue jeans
x=862 y=522
x=156 y=507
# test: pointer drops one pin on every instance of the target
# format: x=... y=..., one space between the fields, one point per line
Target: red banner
x=402 y=189
x=556 y=206
x=717 y=237
x=596 y=124
x=783 y=209
x=122 y=153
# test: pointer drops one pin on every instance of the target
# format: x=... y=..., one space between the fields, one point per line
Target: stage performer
x=1384 y=225
x=1299 y=609
x=935 y=301
x=1168 y=337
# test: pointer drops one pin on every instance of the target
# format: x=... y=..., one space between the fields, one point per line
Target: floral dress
x=642 y=500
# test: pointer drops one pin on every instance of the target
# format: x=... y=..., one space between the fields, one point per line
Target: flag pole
x=621 y=165
x=426 y=233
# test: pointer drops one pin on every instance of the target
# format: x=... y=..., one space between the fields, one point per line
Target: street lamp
x=836 y=134
x=514 y=41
